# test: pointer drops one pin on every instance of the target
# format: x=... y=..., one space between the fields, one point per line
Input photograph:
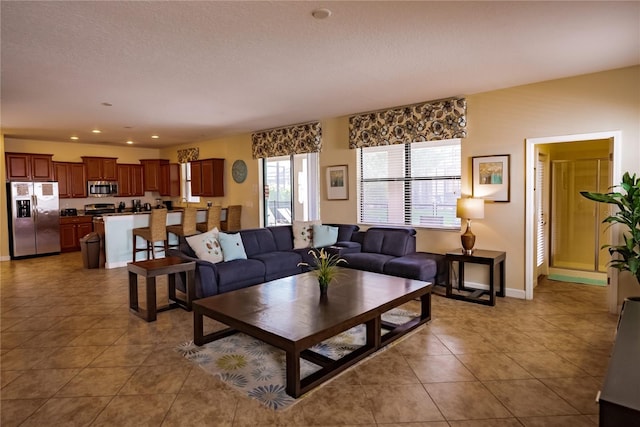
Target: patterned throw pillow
x=303 y=233
x=206 y=246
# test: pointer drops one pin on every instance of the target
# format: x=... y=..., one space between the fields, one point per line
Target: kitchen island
x=118 y=237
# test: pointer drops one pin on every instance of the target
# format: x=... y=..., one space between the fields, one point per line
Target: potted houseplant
x=324 y=267
x=628 y=215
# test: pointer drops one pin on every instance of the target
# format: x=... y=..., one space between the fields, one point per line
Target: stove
x=96 y=209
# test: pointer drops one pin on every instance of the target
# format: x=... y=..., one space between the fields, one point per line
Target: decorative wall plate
x=239 y=171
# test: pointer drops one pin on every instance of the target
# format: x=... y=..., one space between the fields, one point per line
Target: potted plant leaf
x=626 y=257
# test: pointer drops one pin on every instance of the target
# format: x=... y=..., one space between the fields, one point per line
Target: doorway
x=533 y=147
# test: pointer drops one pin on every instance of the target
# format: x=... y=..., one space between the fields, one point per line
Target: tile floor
x=71 y=354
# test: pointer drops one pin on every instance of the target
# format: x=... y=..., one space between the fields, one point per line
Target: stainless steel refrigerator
x=34 y=218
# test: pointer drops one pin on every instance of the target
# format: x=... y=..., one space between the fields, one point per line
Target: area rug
x=257 y=369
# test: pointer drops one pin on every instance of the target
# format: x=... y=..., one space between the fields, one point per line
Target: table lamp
x=469 y=209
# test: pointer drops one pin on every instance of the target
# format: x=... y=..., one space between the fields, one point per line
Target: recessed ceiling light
x=129 y=142
x=154 y=137
x=321 y=13
x=96 y=131
x=74 y=138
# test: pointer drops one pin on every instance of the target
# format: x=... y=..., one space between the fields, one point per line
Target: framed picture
x=491 y=175
x=337 y=182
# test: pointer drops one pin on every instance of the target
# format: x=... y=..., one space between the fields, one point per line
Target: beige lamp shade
x=470 y=208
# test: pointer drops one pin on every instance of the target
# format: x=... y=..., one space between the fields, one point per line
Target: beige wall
x=499 y=122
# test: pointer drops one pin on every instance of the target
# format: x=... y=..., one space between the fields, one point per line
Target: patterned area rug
x=257 y=369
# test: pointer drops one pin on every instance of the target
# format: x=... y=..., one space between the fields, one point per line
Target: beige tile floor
x=72 y=354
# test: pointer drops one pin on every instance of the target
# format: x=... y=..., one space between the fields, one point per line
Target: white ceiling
x=190 y=71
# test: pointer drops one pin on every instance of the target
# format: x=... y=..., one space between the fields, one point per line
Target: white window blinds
x=410 y=184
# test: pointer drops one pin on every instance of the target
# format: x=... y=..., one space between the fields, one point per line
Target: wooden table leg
x=501 y=293
x=293 y=373
x=151 y=299
x=133 y=291
x=198 y=328
x=190 y=288
x=492 y=288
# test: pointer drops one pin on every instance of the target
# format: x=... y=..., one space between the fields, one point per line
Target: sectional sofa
x=270 y=255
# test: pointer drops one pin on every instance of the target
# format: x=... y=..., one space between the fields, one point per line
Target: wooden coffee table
x=290 y=314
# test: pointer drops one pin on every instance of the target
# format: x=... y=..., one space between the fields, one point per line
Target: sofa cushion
x=324 y=235
x=257 y=241
x=418 y=266
x=303 y=233
x=389 y=241
x=283 y=236
x=232 y=246
x=206 y=246
x=239 y=273
x=367 y=261
x=280 y=264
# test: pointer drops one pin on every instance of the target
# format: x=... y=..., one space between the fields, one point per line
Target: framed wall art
x=337 y=182
x=491 y=176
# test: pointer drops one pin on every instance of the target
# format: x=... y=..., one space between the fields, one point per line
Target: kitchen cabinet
x=72 y=179
x=101 y=168
x=170 y=179
x=72 y=228
x=152 y=173
x=130 y=180
x=29 y=167
x=207 y=177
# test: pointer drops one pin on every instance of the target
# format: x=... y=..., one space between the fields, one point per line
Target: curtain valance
x=430 y=121
x=188 y=155
x=285 y=141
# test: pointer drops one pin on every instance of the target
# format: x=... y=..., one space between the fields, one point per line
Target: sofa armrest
x=206 y=275
x=342 y=248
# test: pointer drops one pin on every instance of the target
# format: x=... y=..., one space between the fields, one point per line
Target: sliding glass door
x=292 y=190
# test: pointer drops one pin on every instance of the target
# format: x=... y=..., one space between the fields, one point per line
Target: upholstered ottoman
x=424 y=266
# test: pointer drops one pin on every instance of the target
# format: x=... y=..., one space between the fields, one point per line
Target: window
x=185 y=184
x=293 y=189
x=410 y=184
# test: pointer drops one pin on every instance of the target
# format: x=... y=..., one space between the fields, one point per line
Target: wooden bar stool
x=213 y=220
x=233 y=218
x=155 y=232
x=187 y=227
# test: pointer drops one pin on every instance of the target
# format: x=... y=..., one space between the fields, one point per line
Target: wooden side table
x=494 y=259
x=150 y=270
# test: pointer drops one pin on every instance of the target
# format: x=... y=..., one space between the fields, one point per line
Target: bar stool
x=186 y=228
x=233 y=218
x=155 y=232
x=213 y=220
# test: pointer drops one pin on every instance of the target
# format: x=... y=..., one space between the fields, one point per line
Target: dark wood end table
x=150 y=270
x=494 y=259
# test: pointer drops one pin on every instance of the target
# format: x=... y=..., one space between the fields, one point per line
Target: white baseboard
x=5 y=258
x=511 y=293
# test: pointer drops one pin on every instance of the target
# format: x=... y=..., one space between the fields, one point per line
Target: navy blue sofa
x=271 y=255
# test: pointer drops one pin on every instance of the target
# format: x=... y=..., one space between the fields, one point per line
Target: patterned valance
x=429 y=121
x=285 y=141
x=188 y=155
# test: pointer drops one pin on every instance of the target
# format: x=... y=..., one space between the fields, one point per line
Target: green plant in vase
x=628 y=215
x=324 y=267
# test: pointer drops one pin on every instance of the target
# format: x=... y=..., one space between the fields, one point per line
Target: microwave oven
x=102 y=188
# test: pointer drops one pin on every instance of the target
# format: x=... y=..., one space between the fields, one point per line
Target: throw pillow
x=206 y=246
x=303 y=233
x=232 y=246
x=324 y=235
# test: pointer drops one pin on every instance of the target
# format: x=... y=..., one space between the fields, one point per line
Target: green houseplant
x=325 y=268
x=628 y=215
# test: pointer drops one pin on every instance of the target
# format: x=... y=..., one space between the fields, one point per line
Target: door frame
x=530 y=223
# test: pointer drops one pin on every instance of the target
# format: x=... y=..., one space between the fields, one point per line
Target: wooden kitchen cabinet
x=130 y=180
x=101 y=168
x=72 y=228
x=207 y=177
x=152 y=173
x=170 y=179
x=29 y=167
x=72 y=179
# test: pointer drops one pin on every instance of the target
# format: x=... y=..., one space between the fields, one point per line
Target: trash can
x=90 y=247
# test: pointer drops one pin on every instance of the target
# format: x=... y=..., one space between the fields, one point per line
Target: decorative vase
x=324 y=285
